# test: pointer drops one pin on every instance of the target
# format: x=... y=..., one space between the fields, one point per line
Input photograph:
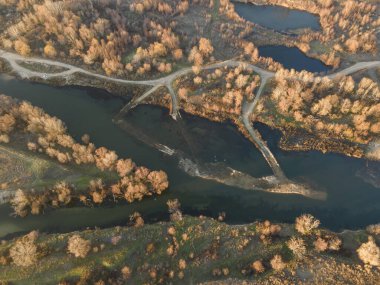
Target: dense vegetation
x=336 y=108
x=217 y=92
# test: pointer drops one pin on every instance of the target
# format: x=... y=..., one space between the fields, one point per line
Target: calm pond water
x=276 y=17
x=282 y=19
x=351 y=202
x=292 y=57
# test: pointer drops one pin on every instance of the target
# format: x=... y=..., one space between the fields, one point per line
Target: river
x=351 y=202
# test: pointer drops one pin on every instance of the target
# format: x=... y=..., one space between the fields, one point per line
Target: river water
x=351 y=202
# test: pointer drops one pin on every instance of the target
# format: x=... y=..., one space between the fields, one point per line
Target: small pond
x=276 y=17
x=292 y=57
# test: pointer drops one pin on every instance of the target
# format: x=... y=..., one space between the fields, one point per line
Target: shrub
x=20 y=203
x=369 y=252
x=126 y=272
x=78 y=246
x=335 y=243
x=182 y=264
x=137 y=220
x=267 y=230
x=63 y=192
x=174 y=210
x=277 y=263
x=321 y=244
x=305 y=224
x=374 y=229
x=258 y=266
x=297 y=246
x=171 y=231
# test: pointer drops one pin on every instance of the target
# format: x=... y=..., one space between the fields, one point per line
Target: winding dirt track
x=167 y=81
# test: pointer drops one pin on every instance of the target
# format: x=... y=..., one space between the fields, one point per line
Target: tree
x=105 y=159
x=177 y=54
x=277 y=263
x=258 y=266
x=4 y=138
x=174 y=207
x=321 y=244
x=352 y=45
x=49 y=50
x=297 y=246
x=183 y=6
x=305 y=224
x=135 y=191
x=25 y=251
x=195 y=56
x=241 y=80
x=325 y=3
x=78 y=246
x=182 y=92
x=198 y=80
x=369 y=252
x=159 y=181
x=126 y=272
x=7 y=123
x=124 y=167
x=63 y=192
x=137 y=220
x=20 y=203
x=374 y=229
x=205 y=47
x=22 y=47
